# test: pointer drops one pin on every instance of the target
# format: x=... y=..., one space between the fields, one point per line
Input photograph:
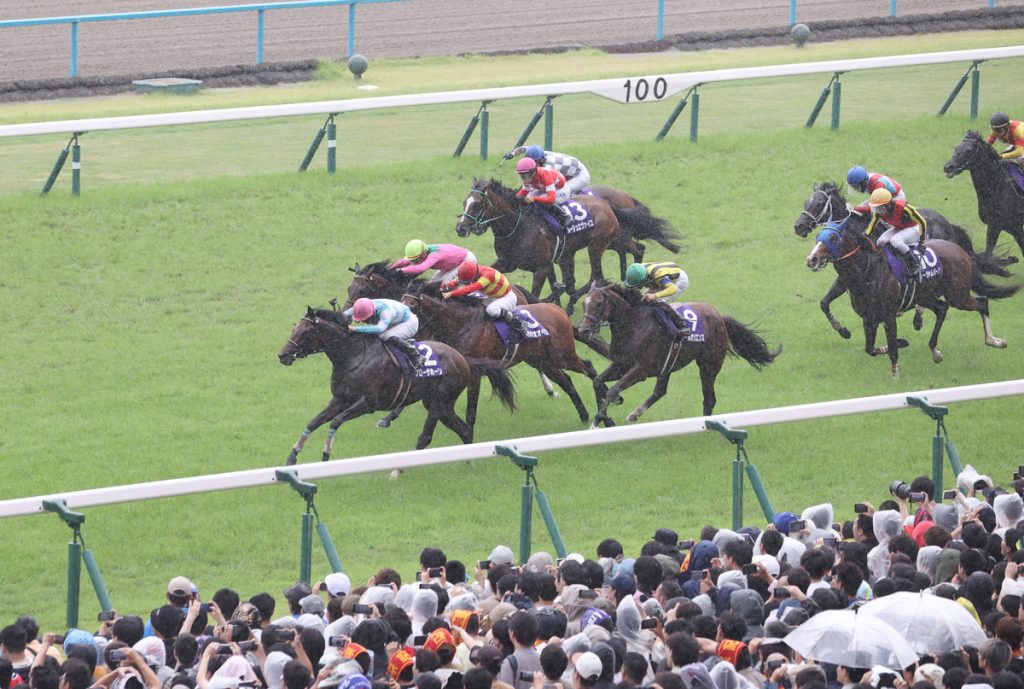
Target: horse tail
x=748 y=344
x=640 y=224
x=989 y=264
x=958 y=235
x=980 y=285
x=500 y=377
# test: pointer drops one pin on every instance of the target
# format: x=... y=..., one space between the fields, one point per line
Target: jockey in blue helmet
x=576 y=174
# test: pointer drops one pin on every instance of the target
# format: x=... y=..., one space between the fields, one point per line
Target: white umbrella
x=845 y=637
x=932 y=624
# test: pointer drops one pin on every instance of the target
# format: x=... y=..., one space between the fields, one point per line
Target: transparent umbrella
x=932 y=624
x=845 y=637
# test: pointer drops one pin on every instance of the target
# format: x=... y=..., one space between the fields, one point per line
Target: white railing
x=538 y=443
x=644 y=89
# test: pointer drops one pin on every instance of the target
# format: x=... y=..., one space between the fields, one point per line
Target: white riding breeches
x=682 y=284
x=579 y=182
x=900 y=238
x=495 y=307
x=405 y=330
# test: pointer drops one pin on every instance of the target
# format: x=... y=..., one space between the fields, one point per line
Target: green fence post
x=676 y=112
x=527 y=464
x=549 y=521
x=694 y=113
x=96 y=578
x=465 y=136
x=935 y=412
x=525 y=521
x=549 y=124
x=307 y=491
x=825 y=92
x=329 y=550
x=955 y=92
x=57 y=167
x=975 y=85
x=76 y=166
x=837 y=97
x=332 y=145
x=735 y=437
x=533 y=123
x=760 y=492
x=485 y=118
x=75 y=521
x=312 y=149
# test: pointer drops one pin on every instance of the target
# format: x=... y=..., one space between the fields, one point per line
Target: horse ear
x=356 y=269
x=309 y=311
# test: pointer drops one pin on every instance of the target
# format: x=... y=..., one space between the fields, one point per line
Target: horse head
x=303 y=341
x=599 y=305
x=967 y=153
x=375 y=281
x=825 y=203
x=488 y=201
x=834 y=242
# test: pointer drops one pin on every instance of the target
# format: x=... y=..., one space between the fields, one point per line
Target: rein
x=826 y=210
x=296 y=344
x=480 y=223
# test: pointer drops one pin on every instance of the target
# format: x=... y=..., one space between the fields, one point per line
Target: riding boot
x=409 y=349
x=564 y=216
x=681 y=324
x=514 y=322
x=913 y=266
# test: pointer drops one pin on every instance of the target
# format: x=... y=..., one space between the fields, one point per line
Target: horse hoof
x=593 y=425
x=569 y=309
x=608 y=423
x=844 y=333
x=878 y=351
x=996 y=342
x=552 y=393
x=618 y=400
x=383 y=423
x=395 y=473
x=901 y=343
x=936 y=356
x=325 y=457
x=918 y=321
x=632 y=418
x=896 y=372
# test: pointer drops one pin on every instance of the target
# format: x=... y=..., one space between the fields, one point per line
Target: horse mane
x=981 y=142
x=331 y=316
x=422 y=288
x=628 y=295
x=508 y=195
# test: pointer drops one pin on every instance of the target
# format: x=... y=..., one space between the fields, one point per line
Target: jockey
x=866 y=182
x=445 y=258
x=575 y=172
x=488 y=284
x=904 y=223
x=391 y=321
x=661 y=279
x=545 y=186
x=1010 y=132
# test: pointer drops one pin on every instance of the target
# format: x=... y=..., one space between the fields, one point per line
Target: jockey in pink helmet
x=389 y=320
x=541 y=185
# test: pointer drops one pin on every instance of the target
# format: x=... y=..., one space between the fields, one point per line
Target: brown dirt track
x=401 y=29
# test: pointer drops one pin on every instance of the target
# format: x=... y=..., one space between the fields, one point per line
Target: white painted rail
x=531 y=444
x=646 y=89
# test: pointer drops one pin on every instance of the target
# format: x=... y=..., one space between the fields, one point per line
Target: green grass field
x=143 y=321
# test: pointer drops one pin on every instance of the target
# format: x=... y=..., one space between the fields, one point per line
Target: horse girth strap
x=404 y=384
x=672 y=356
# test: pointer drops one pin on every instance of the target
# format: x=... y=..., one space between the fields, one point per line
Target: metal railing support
x=737 y=438
x=77 y=553
x=678 y=110
x=308 y=491
x=330 y=130
x=834 y=88
x=481 y=117
x=549 y=124
x=975 y=75
x=940 y=441
x=75 y=151
x=530 y=487
x=533 y=123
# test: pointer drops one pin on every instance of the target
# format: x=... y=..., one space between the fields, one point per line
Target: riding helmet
x=1000 y=120
x=415 y=248
x=526 y=166
x=879 y=197
x=468 y=272
x=535 y=152
x=857 y=175
x=363 y=309
x=635 y=274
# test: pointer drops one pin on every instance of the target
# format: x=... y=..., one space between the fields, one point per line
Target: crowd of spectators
x=710 y=612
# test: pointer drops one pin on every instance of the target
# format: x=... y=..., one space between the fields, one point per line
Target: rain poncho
x=949 y=563
x=819 y=521
x=946 y=517
x=405 y=596
x=424 y=606
x=1009 y=509
x=887 y=523
x=574 y=606
x=928 y=560
x=627 y=628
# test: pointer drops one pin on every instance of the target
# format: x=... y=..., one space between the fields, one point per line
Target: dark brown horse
x=364 y=379
x=636 y=222
x=641 y=348
x=463 y=323
x=877 y=295
x=524 y=240
x=1000 y=206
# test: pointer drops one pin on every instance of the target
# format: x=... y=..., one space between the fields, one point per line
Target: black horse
x=878 y=297
x=364 y=379
x=1000 y=206
x=827 y=204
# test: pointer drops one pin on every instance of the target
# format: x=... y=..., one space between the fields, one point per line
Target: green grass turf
x=143 y=322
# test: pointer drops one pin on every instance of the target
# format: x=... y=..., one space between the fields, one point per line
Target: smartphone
x=526 y=676
x=337 y=641
x=364 y=609
x=247 y=645
x=830 y=541
x=285 y=634
x=648 y=623
x=515 y=570
x=697 y=574
x=749 y=569
x=559 y=561
x=419 y=640
x=587 y=594
x=58 y=638
x=435 y=572
x=224 y=650
x=106 y=616
x=861 y=508
x=949 y=494
x=117 y=655
x=686 y=545
x=772 y=665
x=483 y=564
x=798 y=525
x=204 y=608
x=781 y=593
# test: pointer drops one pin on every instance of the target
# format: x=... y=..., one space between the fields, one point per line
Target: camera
x=697 y=574
x=797 y=525
x=419 y=640
x=860 y=508
x=886 y=679
x=224 y=650
x=949 y=494
x=358 y=609
x=781 y=593
x=204 y=608
x=58 y=638
x=648 y=623
x=247 y=645
x=107 y=616
x=117 y=655
x=901 y=489
x=918 y=497
x=435 y=572
x=749 y=569
x=285 y=634
x=483 y=564
x=772 y=665
x=337 y=641
x=686 y=545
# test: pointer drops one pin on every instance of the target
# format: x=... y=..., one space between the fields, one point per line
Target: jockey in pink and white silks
x=445 y=259
x=576 y=174
x=390 y=320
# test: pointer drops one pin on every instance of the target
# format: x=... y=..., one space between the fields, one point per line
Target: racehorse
x=641 y=348
x=364 y=378
x=1000 y=206
x=827 y=204
x=523 y=239
x=636 y=222
x=877 y=295
x=463 y=323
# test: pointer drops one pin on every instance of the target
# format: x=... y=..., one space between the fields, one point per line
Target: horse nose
x=285 y=359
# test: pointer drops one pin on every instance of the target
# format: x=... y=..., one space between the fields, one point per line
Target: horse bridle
x=298 y=347
x=963 y=166
x=480 y=224
x=826 y=210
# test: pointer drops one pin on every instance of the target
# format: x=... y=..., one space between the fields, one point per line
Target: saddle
x=509 y=336
x=929 y=262
x=431 y=367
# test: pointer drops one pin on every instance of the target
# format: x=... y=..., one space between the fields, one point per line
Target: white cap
x=338 y=584
x=588 y=665
x=768 y=563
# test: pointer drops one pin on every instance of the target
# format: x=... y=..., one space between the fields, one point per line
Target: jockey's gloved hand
x=507 y=156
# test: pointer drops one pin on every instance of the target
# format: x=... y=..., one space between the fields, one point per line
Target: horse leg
x=427 y=434
x=568 y=266
x=870 y=332
x=660 y=388
x=894 y=350
x=392 y=416
x=357 y=408
x=462 y=429
x=600 y=389
x=939 y=308
x=990 y=339
x=547 y=385
x=835 y=291
x=596 y=269
x=472 y=398
x=562 y=380
x=316 y=422
x=630 y=378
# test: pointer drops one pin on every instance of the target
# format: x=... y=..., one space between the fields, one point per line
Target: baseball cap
x=312 y=604
x=501 y=555
x=768 y=562
x=783 y=520
x=667 y=537
x=338 y=584
x=438 y=638
x=588 y=665
x=297 y=592
x=623 y=585
x=180 y=586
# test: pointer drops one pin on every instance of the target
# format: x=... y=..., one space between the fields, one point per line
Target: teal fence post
x=935 y=412
x=736 y=437
x=75 y=521
x=694 y=113
x=74 y=48
x=762 y=495
x=96 y=578
x=307 y=491
x=549 y=124
x=480 y=117
x=329 y=550
x=973 y=73
x=673 y=116
x=485 y=120
x=259 y=36
x=661 y=20
x=533 y=123
x=57 y=167
x=332 y=145
x=825 y=92
x=549 y=522
x=527 y=464
x=837 y=97
x=311 y=151
x=76 y=166
x=975 y=85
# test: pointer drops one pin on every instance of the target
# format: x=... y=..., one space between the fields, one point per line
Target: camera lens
x=900 y=489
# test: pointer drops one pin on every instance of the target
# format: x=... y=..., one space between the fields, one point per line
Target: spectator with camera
x=518 y=668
